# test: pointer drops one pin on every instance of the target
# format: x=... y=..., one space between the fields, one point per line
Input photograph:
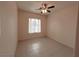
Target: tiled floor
x=42 y=47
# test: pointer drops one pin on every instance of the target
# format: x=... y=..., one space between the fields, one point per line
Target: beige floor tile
x=42 y=47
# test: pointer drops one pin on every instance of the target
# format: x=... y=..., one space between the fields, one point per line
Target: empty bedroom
x=39 y=29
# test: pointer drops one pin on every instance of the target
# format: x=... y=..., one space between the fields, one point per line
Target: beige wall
x=23 y=25
x=8 y=28
x=61 y=25
x=77 y=36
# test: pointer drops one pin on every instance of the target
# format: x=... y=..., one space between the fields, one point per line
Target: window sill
x=35 y=33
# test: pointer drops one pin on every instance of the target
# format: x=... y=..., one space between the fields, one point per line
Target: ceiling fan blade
x=39 y=9
x=51 y=7
x=41 y=12
x=48 y=11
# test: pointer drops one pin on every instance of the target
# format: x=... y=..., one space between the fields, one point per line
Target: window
x=34 y=25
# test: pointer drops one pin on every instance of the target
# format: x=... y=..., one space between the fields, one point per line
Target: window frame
x=40 y=25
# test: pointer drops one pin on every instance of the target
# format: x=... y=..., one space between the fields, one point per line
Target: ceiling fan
x=45 y=9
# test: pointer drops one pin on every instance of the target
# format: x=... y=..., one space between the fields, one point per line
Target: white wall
x=8 y=28
x=61 y=25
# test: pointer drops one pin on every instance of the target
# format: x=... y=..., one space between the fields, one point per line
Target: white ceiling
x=33 y=5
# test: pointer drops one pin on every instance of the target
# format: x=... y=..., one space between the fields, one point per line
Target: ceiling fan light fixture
x=44 y=11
